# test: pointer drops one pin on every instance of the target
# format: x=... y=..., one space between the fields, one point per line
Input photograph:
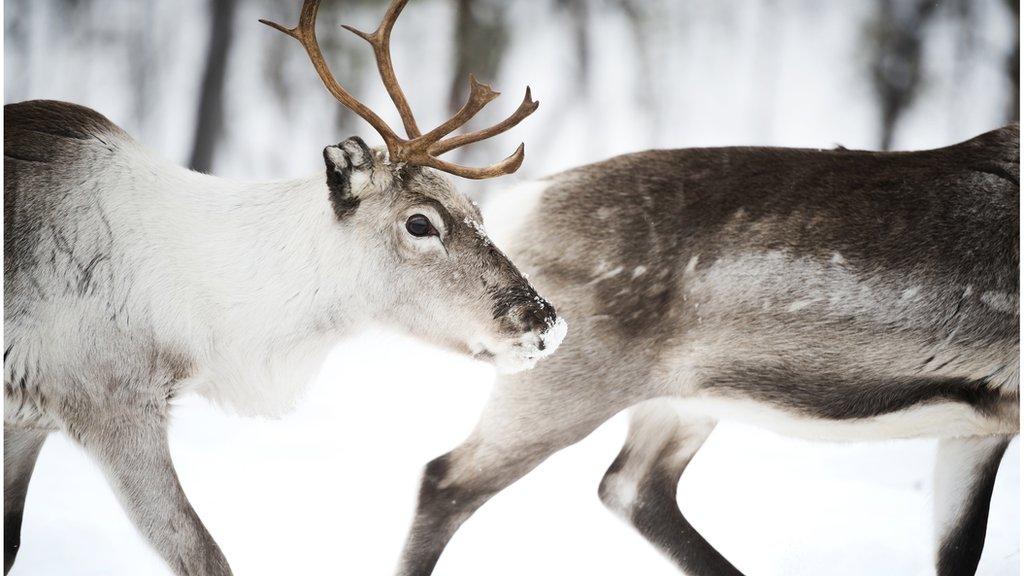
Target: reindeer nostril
x=534 y=320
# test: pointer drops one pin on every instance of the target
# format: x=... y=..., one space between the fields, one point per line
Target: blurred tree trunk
x=481 y=38
x=210 y=117
x=18 y=18
x=141 y=63
x=346 y=53
x=639 y=15
x=277 y=54
x=351 y=56
x=963 y=16
x=579 y=20
x=1013 y=66
x=897 y=37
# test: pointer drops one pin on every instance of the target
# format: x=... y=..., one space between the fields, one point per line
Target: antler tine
x=527 y=107
x=506 y=166
x=479 y=96
x=305 y=33
x=380 y=39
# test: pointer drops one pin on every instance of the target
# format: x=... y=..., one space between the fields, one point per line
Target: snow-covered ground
x=330 y=489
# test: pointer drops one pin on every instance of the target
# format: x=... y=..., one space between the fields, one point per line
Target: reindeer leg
x=965 y=474
x=641 y=486
x=529 y=417
x=21 y=448
x=131 y=449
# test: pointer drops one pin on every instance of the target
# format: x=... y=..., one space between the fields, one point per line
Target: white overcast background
x=331 y=488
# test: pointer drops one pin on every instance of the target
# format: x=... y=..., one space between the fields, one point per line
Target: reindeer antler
x=418 y=149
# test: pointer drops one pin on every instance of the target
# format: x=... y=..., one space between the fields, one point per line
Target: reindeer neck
x=244 y=257
x=262 y=280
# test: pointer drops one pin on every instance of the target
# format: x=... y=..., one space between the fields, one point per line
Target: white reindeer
x=130 y=281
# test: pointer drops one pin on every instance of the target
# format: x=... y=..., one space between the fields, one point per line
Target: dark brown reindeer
x=827 y=294
x=129 y=281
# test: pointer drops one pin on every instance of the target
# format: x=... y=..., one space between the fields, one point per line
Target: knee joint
x=618 y=492
x=441 y=491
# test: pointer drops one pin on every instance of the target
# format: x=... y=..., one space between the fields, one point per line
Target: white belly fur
x=937 y=420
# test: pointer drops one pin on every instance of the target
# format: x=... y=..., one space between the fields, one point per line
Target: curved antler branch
x=479 y=96
x=527 y=107
x=380 y=40
x=506 y=166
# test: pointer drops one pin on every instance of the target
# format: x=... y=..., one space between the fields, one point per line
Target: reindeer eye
x=419 y=225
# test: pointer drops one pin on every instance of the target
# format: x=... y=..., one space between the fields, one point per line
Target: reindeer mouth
x=483 y=354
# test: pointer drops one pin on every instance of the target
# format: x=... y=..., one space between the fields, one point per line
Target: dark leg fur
x=965 y=475
x=443 y=506
x=641 y=486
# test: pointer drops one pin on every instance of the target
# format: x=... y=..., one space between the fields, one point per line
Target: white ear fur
x=336 y=156
x=359 y=155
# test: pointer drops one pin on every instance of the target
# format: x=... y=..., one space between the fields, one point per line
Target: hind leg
x=641 y=486
x=965 y=474
x=21 y=448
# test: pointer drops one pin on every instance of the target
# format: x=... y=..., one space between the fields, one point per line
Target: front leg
x=530 y=416
x=131 y=449
x=456 y=484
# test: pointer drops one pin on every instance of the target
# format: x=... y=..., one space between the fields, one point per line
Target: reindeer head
x=443 y=279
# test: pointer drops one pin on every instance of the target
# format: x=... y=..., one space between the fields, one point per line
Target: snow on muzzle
x=529 y=327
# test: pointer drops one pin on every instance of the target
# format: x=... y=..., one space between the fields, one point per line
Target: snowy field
x=331 y=488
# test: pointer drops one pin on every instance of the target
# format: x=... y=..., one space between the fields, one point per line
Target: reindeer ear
x=348 y=173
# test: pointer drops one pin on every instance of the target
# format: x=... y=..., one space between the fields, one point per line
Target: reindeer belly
x=844 y=388
x=938 y=419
